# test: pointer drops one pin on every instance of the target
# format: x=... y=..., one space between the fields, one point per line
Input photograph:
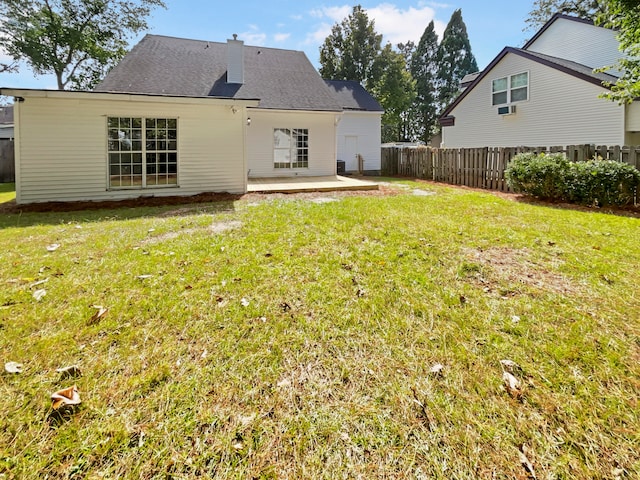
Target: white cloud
x=332 y=13
x=397 y=25
x=317 y=37
x=296 y=17
x=281 y=37
x=254 y=36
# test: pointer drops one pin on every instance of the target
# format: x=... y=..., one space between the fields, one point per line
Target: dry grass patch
x=507 y=269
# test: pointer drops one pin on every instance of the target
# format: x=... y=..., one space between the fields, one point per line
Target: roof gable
x=550 y=22
x=280 y=79
x=571 y=68
x=353 y=96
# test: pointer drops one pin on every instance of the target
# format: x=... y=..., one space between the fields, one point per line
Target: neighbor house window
x=291 y=148
x=514 y=88
x=143 y=152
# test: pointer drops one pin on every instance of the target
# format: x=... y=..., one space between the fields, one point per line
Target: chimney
x=235 y=60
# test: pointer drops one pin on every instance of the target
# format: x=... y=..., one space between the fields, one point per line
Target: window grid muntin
x=291 y=144
x=139 y=144
x=506 y=90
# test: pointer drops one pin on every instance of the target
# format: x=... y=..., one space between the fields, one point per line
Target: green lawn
x=7 y=192
x=290 y=338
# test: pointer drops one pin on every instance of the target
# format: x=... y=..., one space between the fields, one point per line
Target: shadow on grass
x=632 y=211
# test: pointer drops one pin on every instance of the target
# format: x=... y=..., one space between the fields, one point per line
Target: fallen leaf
x=44 y=269
x=512 y=385
x=68 y=396
x=515 y=319
x=526 y=463
x=39 y=294
x=437 y=369
x=53 y=247
x=95 y=318
x=285 y=307
x=244 y=302
x=39 y=282
x=70 y=371
x=13 y=367
x=144 y=277
x=510 y=366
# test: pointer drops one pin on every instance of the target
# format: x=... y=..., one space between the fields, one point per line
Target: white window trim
x=143 y=185
x=292 y=148
x=509 y=88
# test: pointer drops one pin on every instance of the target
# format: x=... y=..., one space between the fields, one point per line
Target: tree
x=395 y=90
x=624 y=16
x=543 y=10
x=77 y=40
x=455 y=59
x=424 y=68
x=350 y=51
x=8 y=67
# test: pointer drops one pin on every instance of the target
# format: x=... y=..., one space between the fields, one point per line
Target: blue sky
x=303 y=25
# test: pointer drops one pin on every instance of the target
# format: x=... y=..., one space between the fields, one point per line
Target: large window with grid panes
x=291 y=148
x=143 y=152
x=514 y=88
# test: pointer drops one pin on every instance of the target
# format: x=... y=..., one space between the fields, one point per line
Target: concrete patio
x=308 y=184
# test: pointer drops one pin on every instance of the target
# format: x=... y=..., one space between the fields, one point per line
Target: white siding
x=322 y=142
x=633 y=117
x=579 y=42
x=63 y=148
x=561 y=110
x=365 y=126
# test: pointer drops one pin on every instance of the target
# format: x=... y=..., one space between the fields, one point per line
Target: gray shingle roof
x=280 y=79
x=568 y=66
x=353 y=96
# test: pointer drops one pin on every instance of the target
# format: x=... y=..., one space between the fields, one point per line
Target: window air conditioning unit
x=508 y=110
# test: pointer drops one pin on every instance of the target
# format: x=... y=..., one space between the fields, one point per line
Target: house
x=7 y=164
x=359 y=129
x=178 y=117
x=544 y=94
x=6 y=122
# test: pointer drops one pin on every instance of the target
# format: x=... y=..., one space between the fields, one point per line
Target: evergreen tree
x=455 y=60
x=350 y=51
x=394 y=88
x=424 y=68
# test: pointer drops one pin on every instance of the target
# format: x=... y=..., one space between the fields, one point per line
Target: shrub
x=538 y=175
x=553 y=177
x=602 y=182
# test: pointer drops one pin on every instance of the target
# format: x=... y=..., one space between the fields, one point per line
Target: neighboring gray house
x=359 y=129
x=545 y=93
x=6 y=122
x=178 y=117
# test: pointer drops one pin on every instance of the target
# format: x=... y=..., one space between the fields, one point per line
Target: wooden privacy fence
x=7 y=162
x=484 y=167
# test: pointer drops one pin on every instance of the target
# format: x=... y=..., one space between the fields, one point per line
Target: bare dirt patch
x=12 y=207
x=221 y=227
x=506 y=270
x=215 y=228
